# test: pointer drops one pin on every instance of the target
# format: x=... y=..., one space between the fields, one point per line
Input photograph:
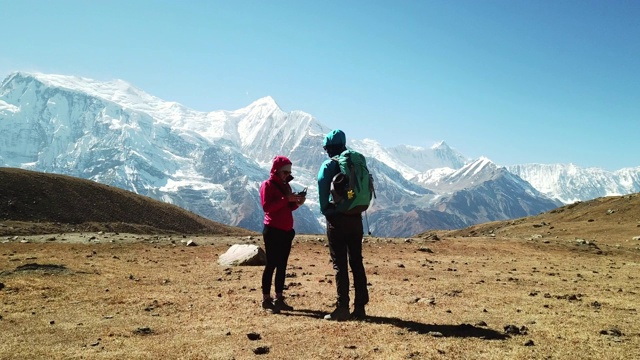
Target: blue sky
x=544 y=81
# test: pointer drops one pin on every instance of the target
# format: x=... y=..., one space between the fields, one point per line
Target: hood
x=278 y=162
x=335 y=138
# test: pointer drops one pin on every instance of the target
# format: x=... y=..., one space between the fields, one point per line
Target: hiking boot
x=339 y=314
x=358 y=313
x=269 y=305
x=281 y=305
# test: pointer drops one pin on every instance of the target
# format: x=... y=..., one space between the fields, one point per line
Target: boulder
x=243 y=255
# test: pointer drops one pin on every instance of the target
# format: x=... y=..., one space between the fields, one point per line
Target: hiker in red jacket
x=278 y=202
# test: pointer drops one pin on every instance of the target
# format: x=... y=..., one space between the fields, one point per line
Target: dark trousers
x=345 y=245
x=277 y=244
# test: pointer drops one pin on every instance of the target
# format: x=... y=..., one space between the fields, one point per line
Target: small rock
x=612 y=332
x=253 y=336
x=143 y=331
x=529 y=343
x=261 y=350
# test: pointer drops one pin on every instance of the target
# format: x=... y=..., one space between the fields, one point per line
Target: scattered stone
x=612 y=332
x=143 y=331
x=253 y=336
x=243 y=255
x=529 y=343
x=191 y=243
x=636 y=238
x=1 y=286
x=435 y=334
x=481 y=323
x=425 y=249
x=430 y=301
x=261 y=350
x=514 y=330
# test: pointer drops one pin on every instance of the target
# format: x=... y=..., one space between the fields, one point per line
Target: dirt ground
x=92 y=272
x=114 y=296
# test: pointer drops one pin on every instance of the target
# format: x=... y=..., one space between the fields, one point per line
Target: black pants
x=345 y=244
x=277 y=244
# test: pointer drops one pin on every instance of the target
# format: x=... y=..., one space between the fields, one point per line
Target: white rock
x=243 y=255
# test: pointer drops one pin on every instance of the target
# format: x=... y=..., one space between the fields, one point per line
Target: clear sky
x=537 y=81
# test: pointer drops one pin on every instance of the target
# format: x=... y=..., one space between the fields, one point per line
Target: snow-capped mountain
x=490 y=193
x=569 y=183
x=212 y=163
x=440 y=155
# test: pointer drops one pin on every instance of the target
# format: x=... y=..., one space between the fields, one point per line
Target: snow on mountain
x=482 y=191
x=212 y=163
x=569 y=183
x=375 y=150
x=440 y=155
x=432 y=177
x=472 y=173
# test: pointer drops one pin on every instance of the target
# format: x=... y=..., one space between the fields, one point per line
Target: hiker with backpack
x=345 y=187
x=278 y=202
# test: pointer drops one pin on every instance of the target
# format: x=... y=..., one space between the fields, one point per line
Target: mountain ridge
x=212 y=163
x=54 y=203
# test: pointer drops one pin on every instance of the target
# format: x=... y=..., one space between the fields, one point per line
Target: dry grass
x=145 y=297
x=567 y=279
x=39 y=203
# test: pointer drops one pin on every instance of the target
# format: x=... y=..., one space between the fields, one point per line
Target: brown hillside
x=40 y=203
x=612 y=219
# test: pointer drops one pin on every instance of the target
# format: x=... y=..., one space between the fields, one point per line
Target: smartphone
x=303 y=192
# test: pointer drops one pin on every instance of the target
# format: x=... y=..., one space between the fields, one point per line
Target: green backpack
x=352 y=188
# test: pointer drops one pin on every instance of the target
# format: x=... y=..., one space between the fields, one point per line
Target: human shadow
x=305 y=312
x=459 y=331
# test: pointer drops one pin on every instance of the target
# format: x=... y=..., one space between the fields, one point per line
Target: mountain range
x=212 y=163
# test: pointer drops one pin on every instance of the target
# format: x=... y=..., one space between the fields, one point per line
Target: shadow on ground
x=458 y=331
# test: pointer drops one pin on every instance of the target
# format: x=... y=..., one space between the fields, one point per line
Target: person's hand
x=293 y=198
x=301 y=199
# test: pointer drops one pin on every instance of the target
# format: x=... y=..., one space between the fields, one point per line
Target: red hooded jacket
x=277 y=209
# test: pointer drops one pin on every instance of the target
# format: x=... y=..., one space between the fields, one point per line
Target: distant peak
x=440 y=145
x=484 y=160
x=267 y=101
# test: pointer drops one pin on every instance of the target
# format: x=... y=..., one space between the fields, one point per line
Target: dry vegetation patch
x=108 y=296
x=80 y=277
